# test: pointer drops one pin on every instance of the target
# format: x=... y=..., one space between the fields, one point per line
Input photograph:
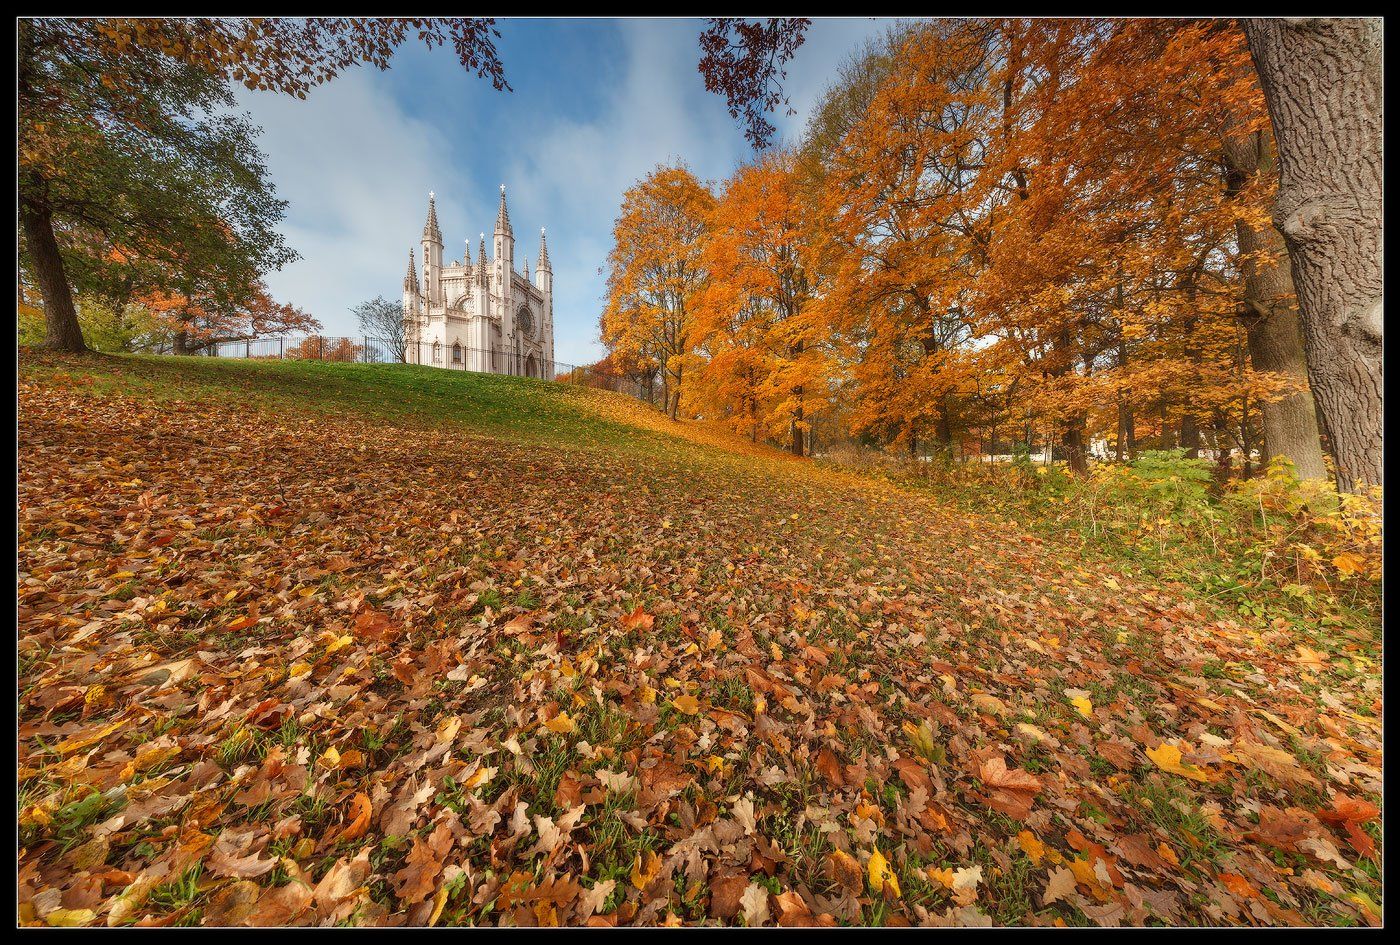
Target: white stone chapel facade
x=483 y=315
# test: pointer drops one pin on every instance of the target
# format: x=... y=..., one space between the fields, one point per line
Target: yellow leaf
x=1365 y=902
x=35 y=815
x=1168 y=757
x=330 y=758
x=1031 y=845
x=1311 y=658
x=478 y=778
x=448 y=728
x=940 y=875
x=644 y=873
x=560 y=724
x=881 y=874
x=1085 y=707
x=687 y=704
x=439 y=902
x=69 y=745
x=921 y=737
x=1084 y=872
x=69 y=918
x=1349 y=563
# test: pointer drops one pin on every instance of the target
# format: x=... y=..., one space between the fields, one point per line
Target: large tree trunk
x=1322 y=81
x=1270 y=318
x=1075 y=450
x=673 y=408
x=61 y=329
x=1126 y=447
x=798 y=413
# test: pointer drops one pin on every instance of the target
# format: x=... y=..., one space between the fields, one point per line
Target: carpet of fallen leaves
x=284 y=670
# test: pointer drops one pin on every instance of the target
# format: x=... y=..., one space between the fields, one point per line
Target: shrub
x=1258 y=543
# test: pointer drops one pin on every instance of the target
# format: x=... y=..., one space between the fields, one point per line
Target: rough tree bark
x=1322 y=81
x=1270 y=318
x=61 y=329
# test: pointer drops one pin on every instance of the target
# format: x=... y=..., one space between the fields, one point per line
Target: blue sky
x=596 y=104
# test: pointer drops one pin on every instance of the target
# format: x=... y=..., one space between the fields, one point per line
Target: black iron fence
x=365 y=349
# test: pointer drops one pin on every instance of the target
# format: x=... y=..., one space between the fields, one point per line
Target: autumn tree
x=654 y=270
x=846 y=102
x=1322 y=80
x=199 y=322
x=126 y=141
x=1113 y=268
x=755 y=321
x=1055 y=226
x=317 y=348
x=1029 y=220
x=894 y=214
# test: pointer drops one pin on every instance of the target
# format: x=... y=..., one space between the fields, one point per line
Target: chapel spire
x=410 y=280
x=503 y=217
x=431 y=233
x=544 y=253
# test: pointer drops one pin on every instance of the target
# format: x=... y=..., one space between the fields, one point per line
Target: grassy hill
x=515 y=408
x=311 y=643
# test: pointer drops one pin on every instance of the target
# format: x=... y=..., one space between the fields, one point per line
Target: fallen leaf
x=882 y=878
x=1168 y=757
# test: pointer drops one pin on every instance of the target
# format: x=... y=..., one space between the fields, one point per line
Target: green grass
x=512 y=408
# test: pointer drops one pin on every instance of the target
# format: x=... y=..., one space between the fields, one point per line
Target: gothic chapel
x=480 y=316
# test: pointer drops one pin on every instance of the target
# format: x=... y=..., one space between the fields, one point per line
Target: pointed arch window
x=456 y=354
x=437 y=352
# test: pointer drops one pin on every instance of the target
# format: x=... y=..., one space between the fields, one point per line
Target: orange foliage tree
x=654 y=272
x=198 y=322
x=1009 y=227
x=317 y=348
x=755 y=323
x=899 y=231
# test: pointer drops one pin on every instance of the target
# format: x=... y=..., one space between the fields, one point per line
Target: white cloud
x=356 y=170
x=575 y=172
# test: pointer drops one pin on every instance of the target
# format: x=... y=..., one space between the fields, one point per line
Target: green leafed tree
x=134 y=177
x=133 y=174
